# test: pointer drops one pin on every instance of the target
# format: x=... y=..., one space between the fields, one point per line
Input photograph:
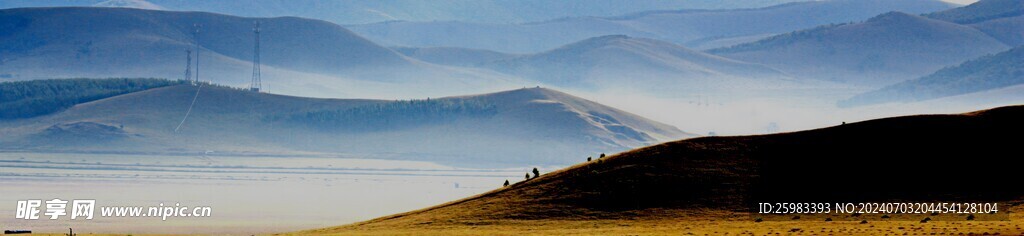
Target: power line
x=194 y=98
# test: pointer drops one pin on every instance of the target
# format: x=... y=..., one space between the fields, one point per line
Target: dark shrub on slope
x=24 y=99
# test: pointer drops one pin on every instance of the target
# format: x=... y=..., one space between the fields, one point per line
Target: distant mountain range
x=885 y=49
x=137 y=4
x=1001 y=70
x=1001 y=19
x=454 y=56
x=793 y=45
x=981 y=11
x=296 y=53
x=316 y=58
x=700 y=29
x=357 y=12
x=993 y=78
x=619 y=61
x=526 y=126
x=1004 y=29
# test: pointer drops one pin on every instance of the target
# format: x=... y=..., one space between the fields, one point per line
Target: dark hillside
x=966 y=157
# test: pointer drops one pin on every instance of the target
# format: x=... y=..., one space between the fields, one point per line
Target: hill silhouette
x=503 y=128
x=980 y=11
x=692 y=28
x=453 y=56
x=1004 y=29
x=649 y=64
x=883 y=50
x=1001 y=19
x=900 y=158
x=357 y=12
x=296 y=53
x=990 y=72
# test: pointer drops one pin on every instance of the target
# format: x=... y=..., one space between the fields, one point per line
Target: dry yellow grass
x=708 y=223
x=86 y=234
x=702 y=186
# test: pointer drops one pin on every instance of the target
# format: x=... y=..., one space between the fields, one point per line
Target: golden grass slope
x=709 y=185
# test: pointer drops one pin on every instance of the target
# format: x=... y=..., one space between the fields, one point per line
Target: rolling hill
x=605 y=62
x=503 y=128
x=700 y=29
x=883 y=50
x=712 y=183
x=26 y=99
x=454 y=56
x=1001 y=19
x=990 y=72
x=981 y=11
x=357 y=12
x=1005 y=29
x=296 y=52
x=137 y=4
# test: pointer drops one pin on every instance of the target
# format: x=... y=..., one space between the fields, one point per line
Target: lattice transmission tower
x=257 y=82
x=188 y=64
x=195 y=36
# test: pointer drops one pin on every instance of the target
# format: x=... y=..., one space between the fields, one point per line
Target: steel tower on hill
x=188 y=64
x=195 y=36
x=257 y=82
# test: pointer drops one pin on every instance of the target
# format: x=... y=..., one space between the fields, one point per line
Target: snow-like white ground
x=248 y=195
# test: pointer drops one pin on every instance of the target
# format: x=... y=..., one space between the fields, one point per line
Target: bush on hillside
x=393 y=115
x=26 y=99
